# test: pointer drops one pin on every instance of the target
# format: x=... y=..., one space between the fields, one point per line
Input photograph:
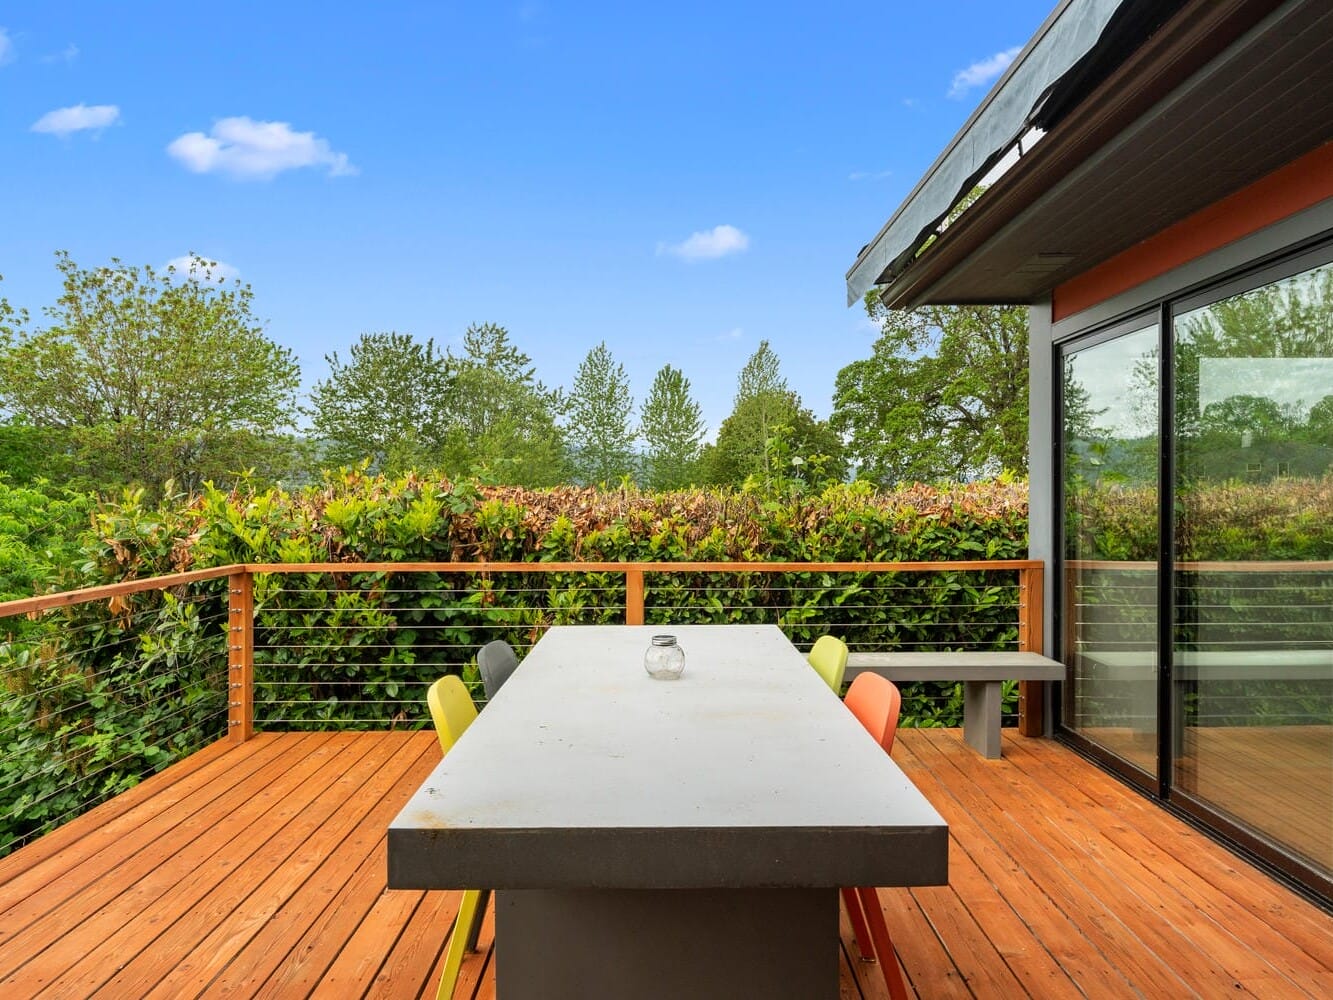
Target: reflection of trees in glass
x=1106 y=449
x=1110 y=474
x=1249 y=436
x=1256 y=415
x=1292 y=318
x=1319 y=423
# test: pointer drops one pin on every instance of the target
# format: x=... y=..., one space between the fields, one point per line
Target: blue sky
x=679 y=181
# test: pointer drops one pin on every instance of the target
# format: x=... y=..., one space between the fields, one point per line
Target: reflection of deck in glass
x=1257 y=773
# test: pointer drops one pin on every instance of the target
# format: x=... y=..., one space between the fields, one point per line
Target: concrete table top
x=746 y=772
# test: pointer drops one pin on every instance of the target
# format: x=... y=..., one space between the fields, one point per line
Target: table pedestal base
x=586 y=944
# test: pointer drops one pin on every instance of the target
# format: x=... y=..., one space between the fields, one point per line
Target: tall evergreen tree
x=600 y=436
x=673 y=428
x=768 y=419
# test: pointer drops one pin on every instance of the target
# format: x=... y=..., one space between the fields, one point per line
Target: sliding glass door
x=1252 y=696
x=1109 y=413
x=1196 y=610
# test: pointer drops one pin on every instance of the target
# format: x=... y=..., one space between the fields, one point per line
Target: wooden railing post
x=240 y=657
x=633 y=597
x=1031 y=608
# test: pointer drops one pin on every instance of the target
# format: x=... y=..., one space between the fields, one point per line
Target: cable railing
x=104 y=686
x=100 y=688
x=1251 y=641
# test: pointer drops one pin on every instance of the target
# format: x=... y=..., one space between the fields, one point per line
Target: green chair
x=452 y=710
x=829 y=658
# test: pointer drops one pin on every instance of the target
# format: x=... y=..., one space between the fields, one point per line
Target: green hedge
x=106 y=693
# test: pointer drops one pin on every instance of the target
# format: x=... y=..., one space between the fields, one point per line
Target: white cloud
x=6 y=48
x=735 y=333
x=869 y=175
x=251 y=150
x=707 y=245
x=66 y=55
x=212 y=271
x=981 y=73
x=79 y=118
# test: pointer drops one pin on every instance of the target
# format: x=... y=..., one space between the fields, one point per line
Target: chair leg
x=475 y=929
x=453 y=957
x=858 y=920
x=879 y=933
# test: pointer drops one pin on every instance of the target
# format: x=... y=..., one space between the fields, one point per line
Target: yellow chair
x=829 y=658
x=452 y=710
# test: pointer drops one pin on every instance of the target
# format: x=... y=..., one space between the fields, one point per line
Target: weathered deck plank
x=259 y=871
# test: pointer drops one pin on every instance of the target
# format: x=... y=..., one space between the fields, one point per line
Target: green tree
x=29 y=453
x=762 y=403
x=768 y=420
x=673 y=428
x=598 y=430
x=152 y=376
x=944 y=394
x=385 y=404
x=500 y=422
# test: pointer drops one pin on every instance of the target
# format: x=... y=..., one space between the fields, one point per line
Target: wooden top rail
x=645 y=567
x=65 y=598
x=1229 y=566
x=45 y=602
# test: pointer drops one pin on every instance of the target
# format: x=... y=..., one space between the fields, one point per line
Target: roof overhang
x=1171 y=108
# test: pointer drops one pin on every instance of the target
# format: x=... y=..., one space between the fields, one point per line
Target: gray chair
x=495 y=661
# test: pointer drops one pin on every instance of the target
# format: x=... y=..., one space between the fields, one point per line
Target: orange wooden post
x=1031 y=604
x=633 y=597
x=240 y=657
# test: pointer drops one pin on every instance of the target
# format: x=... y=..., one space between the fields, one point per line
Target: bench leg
x=981 y=717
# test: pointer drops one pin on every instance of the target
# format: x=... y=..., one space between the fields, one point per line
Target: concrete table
x=666 y=839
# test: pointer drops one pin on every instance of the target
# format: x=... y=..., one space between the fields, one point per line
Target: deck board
x=259 y=871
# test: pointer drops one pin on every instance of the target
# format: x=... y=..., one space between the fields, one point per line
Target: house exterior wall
x=1286 y=192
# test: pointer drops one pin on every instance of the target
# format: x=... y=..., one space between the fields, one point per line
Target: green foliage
x=383 y=406
x=500 y=421
x=152 y=377
x=29 y=454
x=598 y=431
x=39 y=528
x=97 y=696
x=768 y=420
x=943 y=396
x=673 y=428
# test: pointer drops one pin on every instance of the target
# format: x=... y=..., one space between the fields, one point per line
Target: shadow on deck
x=259 y=870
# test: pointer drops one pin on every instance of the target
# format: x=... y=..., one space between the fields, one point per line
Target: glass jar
x=665 y=659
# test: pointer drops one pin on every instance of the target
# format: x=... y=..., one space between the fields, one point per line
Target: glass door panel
x=1109 y=415
x=1252 y=691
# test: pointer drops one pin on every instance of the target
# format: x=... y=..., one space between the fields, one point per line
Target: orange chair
x=876 y=703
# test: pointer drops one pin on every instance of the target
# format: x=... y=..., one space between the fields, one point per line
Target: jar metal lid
x=664 y=640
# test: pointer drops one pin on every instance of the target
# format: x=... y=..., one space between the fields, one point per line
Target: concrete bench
x=981 y=674
x=1131 y=676
x=1221 y=664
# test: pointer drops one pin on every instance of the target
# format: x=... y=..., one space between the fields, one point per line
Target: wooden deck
x=259 y=871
